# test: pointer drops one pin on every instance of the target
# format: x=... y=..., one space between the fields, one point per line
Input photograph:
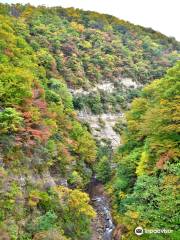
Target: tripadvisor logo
x=139 y=231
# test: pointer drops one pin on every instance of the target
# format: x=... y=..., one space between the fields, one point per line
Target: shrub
x=10 y=120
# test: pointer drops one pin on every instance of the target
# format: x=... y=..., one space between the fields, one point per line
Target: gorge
x=89 y=128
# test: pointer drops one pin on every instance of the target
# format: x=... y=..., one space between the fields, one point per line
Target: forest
x=48 y=156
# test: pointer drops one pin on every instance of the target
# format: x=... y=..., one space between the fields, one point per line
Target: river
x=102 y=225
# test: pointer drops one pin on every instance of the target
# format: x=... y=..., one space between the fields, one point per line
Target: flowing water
x=102 y=226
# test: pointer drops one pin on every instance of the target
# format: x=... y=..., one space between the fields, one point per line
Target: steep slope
x=42 y=147
x=46 y=154
x=95 y=53
x=145 y=187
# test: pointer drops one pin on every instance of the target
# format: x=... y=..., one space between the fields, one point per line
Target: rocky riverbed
x=102 y=225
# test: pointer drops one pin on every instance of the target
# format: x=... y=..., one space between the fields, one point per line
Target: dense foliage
x=39 y=135
x=106 y=102
x=46 y=154
x=87 y=47
x=146 y=190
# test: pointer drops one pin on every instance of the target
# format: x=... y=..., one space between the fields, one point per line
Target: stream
x=102 y=225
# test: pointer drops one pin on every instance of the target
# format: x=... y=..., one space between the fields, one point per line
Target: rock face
x=102 y=124
x=128 y=82
x=44 y=180
x=105 y=86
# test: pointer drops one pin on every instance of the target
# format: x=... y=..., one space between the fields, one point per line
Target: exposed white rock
x=102 y=125
x=105 y=86
x=79 y=91
x=128 y=82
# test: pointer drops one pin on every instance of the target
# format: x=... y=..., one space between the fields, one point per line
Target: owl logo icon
x=139 y=231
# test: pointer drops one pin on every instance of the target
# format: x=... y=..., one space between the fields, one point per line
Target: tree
x=145 y=185
x=103 y=169
x=10 y=120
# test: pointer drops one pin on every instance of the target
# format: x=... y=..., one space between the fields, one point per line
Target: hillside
x=59 y=67
x=145 y=189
